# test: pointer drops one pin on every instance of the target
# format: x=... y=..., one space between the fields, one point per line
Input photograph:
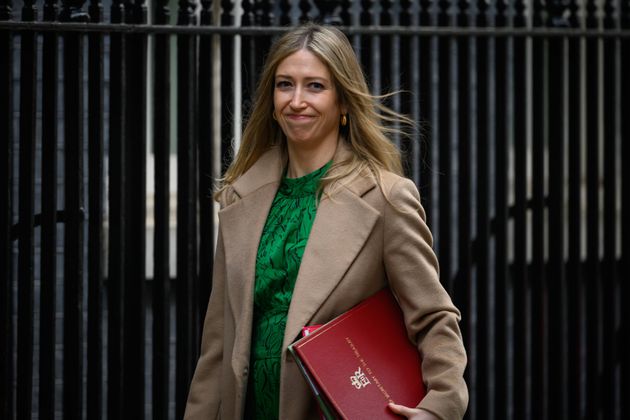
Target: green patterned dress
x=279 y=255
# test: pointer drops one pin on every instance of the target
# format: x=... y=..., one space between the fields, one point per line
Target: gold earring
x=344 y=120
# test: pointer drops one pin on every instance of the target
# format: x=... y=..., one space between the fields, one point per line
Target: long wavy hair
x=369 y=124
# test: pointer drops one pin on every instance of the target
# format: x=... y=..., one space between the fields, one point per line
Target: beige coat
x=359 y=243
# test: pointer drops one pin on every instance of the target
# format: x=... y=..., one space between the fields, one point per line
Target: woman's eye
x=283 y=84
x=317 y=86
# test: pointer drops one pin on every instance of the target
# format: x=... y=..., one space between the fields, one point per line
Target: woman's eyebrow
x=307 y=78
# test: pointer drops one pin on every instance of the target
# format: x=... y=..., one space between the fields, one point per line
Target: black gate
x=116 y=118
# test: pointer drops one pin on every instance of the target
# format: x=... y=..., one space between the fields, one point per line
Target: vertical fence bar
x=264 y=17
x=204 y=144
x=366 y=50
x=540 y=393
x=465 y=114
x=249 y=69
x=410 y=82
x=187 y=330
x=444 y=140
x=26 y=200
x=522 y=328
x=285 y=12
x=394 y=70
x=575 y=279
x=503 y=380
x=345 y=13
x=6 y=165
x=73 y=237
x=227 y=87
x=304 y=6
x=117 y=245
x=95 y=217
x=483 y=352
x=425 y=101
x=329 y=12
x=593 y=292
x=384 y=58
x=610 y=323
x=135 y=212
x=161 y=241
x=374 y=54
x=625 y=206
x=557 y=348
x=253 y=50
x=49 y=218
x=624 y=94
x=370 y=47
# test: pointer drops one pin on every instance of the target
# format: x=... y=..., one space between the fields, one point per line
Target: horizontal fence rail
x=493 y=32
x=117 y=117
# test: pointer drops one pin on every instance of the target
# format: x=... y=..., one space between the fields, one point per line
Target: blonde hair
x=369 y=122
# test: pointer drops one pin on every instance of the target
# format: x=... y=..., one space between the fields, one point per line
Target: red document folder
x=362 y=360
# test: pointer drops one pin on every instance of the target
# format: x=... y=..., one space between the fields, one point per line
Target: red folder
x=362 y=360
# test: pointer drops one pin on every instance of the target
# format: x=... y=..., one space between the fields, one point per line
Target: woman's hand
x=412 y=413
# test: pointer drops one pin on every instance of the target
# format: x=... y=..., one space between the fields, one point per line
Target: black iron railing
x=521 y=159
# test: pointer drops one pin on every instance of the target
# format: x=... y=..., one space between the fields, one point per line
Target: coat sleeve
x=204 y=396
x=430 y=316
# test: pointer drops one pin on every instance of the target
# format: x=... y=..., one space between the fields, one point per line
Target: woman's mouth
x=299 y=117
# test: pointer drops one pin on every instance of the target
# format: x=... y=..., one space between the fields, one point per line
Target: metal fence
x=522 y=163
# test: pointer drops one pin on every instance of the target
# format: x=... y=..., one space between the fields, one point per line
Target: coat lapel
x=242 y=223
x=341 y=228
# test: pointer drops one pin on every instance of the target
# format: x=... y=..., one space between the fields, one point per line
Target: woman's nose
x=297 y=100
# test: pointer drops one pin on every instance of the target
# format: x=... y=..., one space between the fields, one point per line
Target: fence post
x=161 y=244
x=74 y=211
x=26 y=203
x=135 y=214
x=556 y=285
x=6 y=182
x=539 y=314
x=482 y=388
x=95 y=261
x=577 y=388
x=187 y=330
x=593 y=270
x=48 y=277
x=521 y=280
x=610 y=282
x=503 y=378
x=206 y=157
x=624 y=92
x=117 y=217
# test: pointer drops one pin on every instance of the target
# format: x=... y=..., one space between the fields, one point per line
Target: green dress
x=278 y=260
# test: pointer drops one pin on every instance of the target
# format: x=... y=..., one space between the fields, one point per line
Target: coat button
x=245 y=371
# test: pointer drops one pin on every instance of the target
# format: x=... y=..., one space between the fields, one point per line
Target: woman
x=315 y=218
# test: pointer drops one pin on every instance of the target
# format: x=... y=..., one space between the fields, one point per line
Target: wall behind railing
x=522 y=161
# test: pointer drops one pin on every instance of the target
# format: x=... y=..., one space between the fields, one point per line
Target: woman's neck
x=304 y=161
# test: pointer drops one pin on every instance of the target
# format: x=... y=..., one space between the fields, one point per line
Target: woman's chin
x=301 y=140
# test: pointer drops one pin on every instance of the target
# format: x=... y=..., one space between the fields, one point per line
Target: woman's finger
x=411 y=413
x=401 y=409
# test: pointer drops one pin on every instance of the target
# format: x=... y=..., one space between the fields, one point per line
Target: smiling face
x=306 y=102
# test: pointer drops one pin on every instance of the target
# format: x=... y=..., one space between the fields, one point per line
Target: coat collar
x=268 y=169
x=326 y=258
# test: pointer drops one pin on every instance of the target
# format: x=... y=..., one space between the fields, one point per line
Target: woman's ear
x=343 y=104
x=343 y=107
